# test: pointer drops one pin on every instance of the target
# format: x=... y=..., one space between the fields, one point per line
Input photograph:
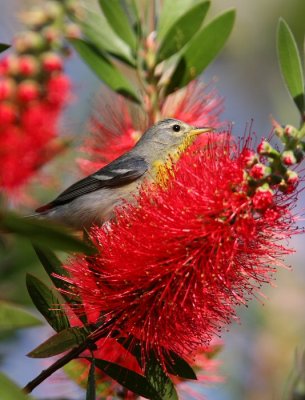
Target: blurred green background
x=259 y=353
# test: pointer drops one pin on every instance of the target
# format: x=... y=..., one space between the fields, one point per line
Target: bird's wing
x=119 y=172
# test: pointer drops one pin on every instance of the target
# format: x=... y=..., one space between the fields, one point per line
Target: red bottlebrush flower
x=114 y=131
x=196 y=105
x=172 y=267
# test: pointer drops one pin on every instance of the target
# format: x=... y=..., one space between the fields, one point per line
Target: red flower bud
x=57 y=89
x=27 y=91
x=292 y=177
x=249 y=157
x=7 y=87
x=52 y=62
x=28 y=65
x=7 y=114
x=259 y=171
x=264 y=147
x=288 y=157
x=262 y=199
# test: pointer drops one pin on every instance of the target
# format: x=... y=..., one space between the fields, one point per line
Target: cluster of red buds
x=270 y=169
x=33 y=91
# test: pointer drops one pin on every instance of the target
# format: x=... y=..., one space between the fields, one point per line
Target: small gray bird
x=93 y=199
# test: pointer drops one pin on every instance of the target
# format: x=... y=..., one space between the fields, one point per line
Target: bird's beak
x=199 y=131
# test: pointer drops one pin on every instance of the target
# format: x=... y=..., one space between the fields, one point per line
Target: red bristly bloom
x=172 y=267
x=114 y=131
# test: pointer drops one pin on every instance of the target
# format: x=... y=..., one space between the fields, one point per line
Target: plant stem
x=96 y=335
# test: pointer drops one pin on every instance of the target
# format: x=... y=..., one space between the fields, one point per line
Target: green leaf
x=182 y=30
x=47 y=303
x=97 y=29
x=118 y=20
x=170 y=13
x=91 y=390
x=104 y=69
x=44 y=233
x=15 y=317
x=129 y=379
x=290 y=64
x=4 y=47
x=52 y=265
x=159 y=380
x=179 y=367
x=60 y=342
x=201 y=50
x=10 y=391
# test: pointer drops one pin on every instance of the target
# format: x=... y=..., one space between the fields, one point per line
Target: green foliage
x=14 y=317
x=99 y=32
x=3 y=47
x=91 y=391
x=201 y=50
x=43 y=233
x=104 y=69
x=290 y=64
x=10 y=391
x=169 y=14
x=116 y=17
x=182 y=30
x=129 y=379
x=47 y=303
x=179 y=367
x=159 y=380
x=62 y=341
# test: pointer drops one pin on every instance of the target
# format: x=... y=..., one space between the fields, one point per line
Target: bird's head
x=169 y=138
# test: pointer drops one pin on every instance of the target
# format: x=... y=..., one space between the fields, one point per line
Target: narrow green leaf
x=201 y=50
x=44 y=233
x=91 y=390
x=290 y=63
x=171 y=12
x=52 y=265
x=15 y=317
x=47 y=303
x=104 y=69
x=179 y=367
x=4 y=47
x=129 y=379
x=62 y=341
x=182 y=30
x=159 y=380
x=99 y=32
x=10 y=391
x=118 y=20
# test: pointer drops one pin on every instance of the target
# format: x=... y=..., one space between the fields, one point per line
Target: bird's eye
x=176 y=128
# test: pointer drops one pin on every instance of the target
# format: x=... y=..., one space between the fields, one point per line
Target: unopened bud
x=72 y=31
x=7 y=88
x=7 y=114
x=263 y=198
x=34 y=18
x=51 y=62
x=51 y=34
x=27 y=65
x=288 y=157
x=264 y=148
x=28 y=91
x=53 y=9
x=249 y=158
x=292 y=177
x=259 y=171
x=290 y=131
x=28 y=41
